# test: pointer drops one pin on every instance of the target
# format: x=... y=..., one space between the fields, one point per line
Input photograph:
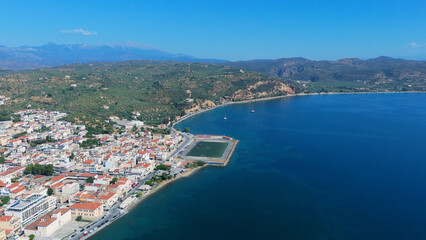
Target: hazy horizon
x=231 y=30
x=147 y=47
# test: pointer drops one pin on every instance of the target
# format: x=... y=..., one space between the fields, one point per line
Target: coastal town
x=58 y=181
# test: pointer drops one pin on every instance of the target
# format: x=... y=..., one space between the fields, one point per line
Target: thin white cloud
x=414 y=45
x=79 y=31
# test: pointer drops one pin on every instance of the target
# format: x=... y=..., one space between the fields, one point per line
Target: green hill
x=382 y=73
x=156 y=89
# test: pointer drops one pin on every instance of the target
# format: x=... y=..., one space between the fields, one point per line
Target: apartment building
x=32 y=207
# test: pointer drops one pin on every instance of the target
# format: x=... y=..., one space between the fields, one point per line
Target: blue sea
x=309 y=167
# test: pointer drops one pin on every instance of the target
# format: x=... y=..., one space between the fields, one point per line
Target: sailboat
x=252 y=109
x=224 y=118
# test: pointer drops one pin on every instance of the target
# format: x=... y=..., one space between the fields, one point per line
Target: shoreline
x=145 y=196
x=187 y=116
x=192 y=171
x=161 y=185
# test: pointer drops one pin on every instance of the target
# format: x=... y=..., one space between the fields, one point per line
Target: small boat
x=224 y=118
x=252 y=111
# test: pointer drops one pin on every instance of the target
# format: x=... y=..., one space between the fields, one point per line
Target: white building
x=49 y=223
x=32 y=207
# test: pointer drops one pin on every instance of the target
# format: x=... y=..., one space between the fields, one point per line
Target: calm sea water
x=311 y=167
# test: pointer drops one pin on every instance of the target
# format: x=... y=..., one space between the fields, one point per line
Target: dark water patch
x=315 y=167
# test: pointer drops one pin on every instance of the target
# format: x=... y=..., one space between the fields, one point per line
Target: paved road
x=187 y=140
x=113 y=213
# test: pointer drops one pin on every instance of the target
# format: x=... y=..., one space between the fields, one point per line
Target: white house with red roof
x=108 y=199
x=49 y=223
x=12 y=173
x=11 y=224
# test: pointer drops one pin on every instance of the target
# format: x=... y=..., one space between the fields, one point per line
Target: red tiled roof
x=85 y=195
x=18 y=189
x=86 y=205
x=87 y=174
x=9 y=171
x=5 y=218
x=44 y=221
x=13 y=185
x=58 y=178
x=116 y=185
x=57 y=185
x=61 y=210
x=146 y=165
x=107 y=196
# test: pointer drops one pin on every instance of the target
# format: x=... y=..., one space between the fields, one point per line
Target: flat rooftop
x=23 y=203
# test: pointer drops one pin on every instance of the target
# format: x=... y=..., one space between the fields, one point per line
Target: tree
x=79 y=218
x=186 y=129
x=90 y=180
x=113 y=181
x=5 y=199
x=162 y=167
x=16 y=118
x=72 y=156
x=43 y=129
x=46 y=170
x=29 y=168
x=49 y=139
x=2 y=159
x=49 y=192
x=32 y=236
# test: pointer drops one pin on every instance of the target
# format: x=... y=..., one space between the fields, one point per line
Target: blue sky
x=234 y=30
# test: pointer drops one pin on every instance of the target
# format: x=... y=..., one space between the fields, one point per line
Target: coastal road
x=113 y=214
x=187 y=140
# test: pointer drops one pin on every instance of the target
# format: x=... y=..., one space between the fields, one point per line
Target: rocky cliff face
x=200 y=104
x=262 y=89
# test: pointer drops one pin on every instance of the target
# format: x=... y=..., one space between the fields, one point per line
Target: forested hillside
x=155 y=89
x=381 y=74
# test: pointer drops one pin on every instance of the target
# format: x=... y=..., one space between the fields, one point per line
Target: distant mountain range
x=376 y=70
x=348 y=69
x=49 y=55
